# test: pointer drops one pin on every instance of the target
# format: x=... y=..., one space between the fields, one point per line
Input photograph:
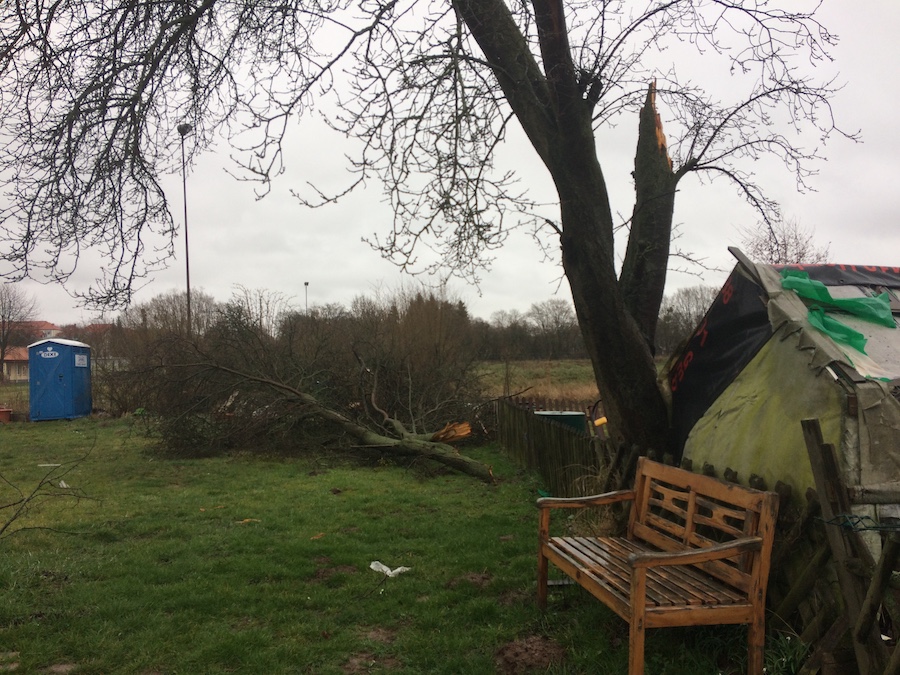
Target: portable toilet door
x=59 y=373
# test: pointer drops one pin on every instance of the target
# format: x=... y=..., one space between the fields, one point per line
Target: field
x=262 y=565
x=553 y=380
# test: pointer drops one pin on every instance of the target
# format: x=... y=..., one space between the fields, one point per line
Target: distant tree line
x=548 y=330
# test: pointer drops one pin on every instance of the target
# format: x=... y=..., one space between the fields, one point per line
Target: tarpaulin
x=837 y=331
x=730 y=335
x=876 y=309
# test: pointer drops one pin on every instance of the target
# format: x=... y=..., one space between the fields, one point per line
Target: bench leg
x=636 y=622
x=636 y=637
x=543 y=565
x=756 y=642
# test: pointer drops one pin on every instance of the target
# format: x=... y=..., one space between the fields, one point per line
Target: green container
x=570 y=418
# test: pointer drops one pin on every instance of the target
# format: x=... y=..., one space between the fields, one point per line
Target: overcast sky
x=277 y=245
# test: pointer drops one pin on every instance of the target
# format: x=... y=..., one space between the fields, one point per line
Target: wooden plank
x=729 y=574
x=882 y=493
x=833 y=500
x=614 y=552
x=832 y=637
x=745 y=498
x=659 y=587
x=709 y=615
x=606 y=559
x=607 y=594
x=875 y=593
x=803 y=586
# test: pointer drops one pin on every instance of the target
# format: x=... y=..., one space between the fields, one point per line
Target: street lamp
x=306 y=293
x=183 y=130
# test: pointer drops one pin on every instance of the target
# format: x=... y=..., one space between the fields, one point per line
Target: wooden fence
x=572 y=462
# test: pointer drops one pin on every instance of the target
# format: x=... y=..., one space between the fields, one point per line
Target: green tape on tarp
x=876 y=309
x=837 y=331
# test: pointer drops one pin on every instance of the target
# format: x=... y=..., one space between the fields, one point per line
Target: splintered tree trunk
x=643 y=277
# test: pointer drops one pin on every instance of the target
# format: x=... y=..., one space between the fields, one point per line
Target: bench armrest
x=581 y=502
x=695 y=555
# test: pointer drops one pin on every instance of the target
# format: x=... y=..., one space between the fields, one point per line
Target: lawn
x=244 y=564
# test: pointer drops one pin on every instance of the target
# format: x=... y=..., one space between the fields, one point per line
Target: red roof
x=38 y=325
x=16 y=354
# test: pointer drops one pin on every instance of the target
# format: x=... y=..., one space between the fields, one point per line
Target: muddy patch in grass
x=532 y=654
x=477 y=579
x=366 y=662
x=326 y=570
x=383 y=635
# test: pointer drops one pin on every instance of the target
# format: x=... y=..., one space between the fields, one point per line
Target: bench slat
x=720 y=570
x=605 y=559
x=659 y=592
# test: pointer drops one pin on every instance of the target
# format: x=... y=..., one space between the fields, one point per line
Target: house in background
x=22 y=334
x=37 y=330
x=15 y=365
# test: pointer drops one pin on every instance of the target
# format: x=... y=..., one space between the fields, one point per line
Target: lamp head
x=184 y=129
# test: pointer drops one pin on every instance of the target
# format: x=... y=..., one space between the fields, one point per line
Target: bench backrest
x=676 y=509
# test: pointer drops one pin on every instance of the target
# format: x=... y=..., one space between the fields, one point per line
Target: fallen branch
x=418 y=445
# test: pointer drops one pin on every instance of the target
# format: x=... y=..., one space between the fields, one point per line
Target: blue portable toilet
x=59 y=375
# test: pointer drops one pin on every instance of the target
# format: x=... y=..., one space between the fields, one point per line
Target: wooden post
x=543 y=565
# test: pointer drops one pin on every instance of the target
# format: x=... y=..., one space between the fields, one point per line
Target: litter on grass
x=387 y=571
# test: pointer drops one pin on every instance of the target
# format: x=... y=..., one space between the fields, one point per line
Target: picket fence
x=571 y=462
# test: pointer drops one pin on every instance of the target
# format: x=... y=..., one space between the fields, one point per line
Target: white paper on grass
x=387 y=571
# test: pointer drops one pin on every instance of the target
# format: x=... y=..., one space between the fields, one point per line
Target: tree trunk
x=622 y=361
x=556 y=116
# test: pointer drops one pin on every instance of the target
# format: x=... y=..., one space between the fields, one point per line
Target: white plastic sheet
x=387 y=571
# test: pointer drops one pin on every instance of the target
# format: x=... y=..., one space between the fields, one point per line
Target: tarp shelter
x=781 y=344
x=59 y=379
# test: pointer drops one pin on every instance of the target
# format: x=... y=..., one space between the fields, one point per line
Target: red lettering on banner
x=702 y=332
x=727 y=292
x=680 y=370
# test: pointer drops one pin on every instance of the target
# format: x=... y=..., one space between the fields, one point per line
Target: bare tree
x=266 y=308
x=784 y=242
x=16 y=308
x=680 y=314
x=554 y=325
x=93 y=91
x=167 y=313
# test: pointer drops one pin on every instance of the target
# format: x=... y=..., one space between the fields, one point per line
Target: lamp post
x=184 y=130
x=306 y=294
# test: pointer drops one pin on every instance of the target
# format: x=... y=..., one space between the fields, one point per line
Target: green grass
x=261 y=565
x=14 y=395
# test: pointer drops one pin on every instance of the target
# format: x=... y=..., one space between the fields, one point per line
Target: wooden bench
x=696 y=552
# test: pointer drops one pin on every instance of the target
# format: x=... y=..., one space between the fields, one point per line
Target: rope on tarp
x=851 y=521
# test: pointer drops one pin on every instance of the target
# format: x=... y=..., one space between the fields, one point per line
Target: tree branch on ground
x=17 y=504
